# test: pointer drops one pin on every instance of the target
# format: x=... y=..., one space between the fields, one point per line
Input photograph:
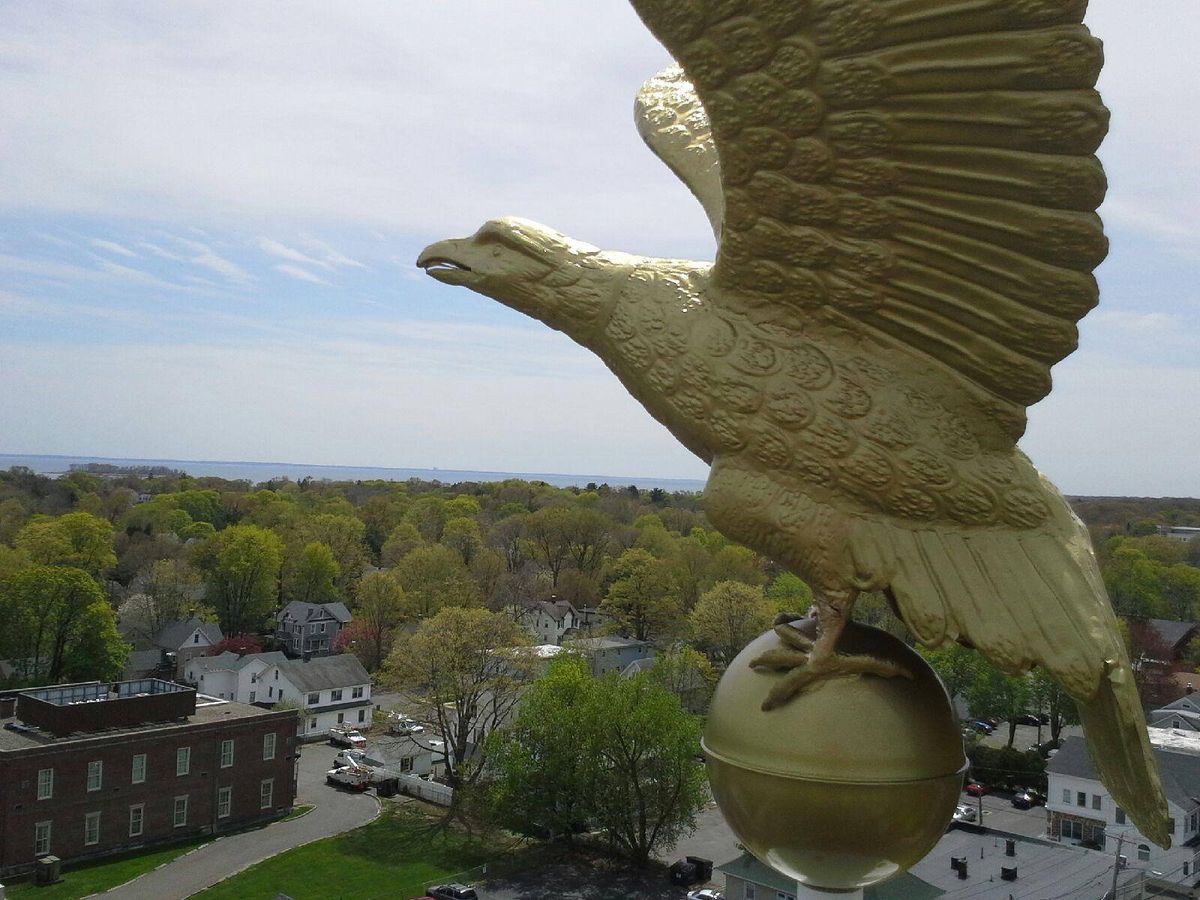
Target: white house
x=1182 y=714
x=332 y=690
x=231 y=677
x=548 y=621
x=611 y=654
x=1081 y=811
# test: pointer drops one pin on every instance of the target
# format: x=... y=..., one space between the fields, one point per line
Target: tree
x=588 y=533
x=628 y=768
x=11 y=562
x=312 y=578
x=402 y=540
x=686 y=673
x=729 y=616
x=59 y=626
x=345 y=536
x=468 y=668
x=241 y=566
x=790 y=593
x=165 y=592
x=994 y=694
x=433 y=577
x=642 y=599
x=956 y=666
x=76 y=539
x=379 y=609
x=548 y=534
x=241 y=644
x=1049 y=698
x=463 y=535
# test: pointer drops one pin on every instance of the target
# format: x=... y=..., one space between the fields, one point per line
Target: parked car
x=705 y=894
x=454 y=891
x=1027 y=799
x=1027 y=719
x=345 y=736
x=965 y=813
x=975 y=789
x=403 y=725
x=981 y=726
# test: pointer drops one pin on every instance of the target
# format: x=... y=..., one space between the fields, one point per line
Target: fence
x=431 y=791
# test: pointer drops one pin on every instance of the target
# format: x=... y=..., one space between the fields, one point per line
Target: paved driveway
x=336 y=811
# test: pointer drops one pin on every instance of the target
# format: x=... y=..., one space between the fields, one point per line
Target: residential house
x=611 y=654
x=693 y=693
x=309 y=629
x=1081 y=811
x=228 y=676
x=187 y=639
x=549 y=621
x=1179 y=532
x=87 y=770
x=1182 y=714
x=332 y=690
x=1175 y=636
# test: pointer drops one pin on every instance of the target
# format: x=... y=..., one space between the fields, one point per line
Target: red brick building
x=92 y=769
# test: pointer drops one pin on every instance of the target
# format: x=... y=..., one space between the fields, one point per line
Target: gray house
x=611 y=654
x=309 y=629
x=188 y=639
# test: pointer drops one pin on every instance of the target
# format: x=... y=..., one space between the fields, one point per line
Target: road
x=336 y=811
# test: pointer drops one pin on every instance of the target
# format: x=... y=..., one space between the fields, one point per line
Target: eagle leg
x=810 y=662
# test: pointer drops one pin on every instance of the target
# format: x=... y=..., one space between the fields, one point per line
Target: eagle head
x=530 y=268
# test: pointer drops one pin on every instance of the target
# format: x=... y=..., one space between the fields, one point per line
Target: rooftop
x=324 y=672
x=1176 y=752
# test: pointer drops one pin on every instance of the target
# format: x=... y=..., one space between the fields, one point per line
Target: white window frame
x=224 y=802
x=91 y=829
x=269 y=741
x=341 y=718
x=95 y=775
x=137 y=774
x=45 y=784
x=183 y=761
x=335 y=695
x=406 y=764
x=177 y=820
x=137 y=813
x=41 y=838
x=252 y=693
x=226 y=753
x=314 y=698
x=266 y=793
x=356 y=693
x=748 y=888
x=362 y=716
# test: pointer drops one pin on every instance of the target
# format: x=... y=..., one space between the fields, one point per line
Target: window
x=137 y=818
x=224 y=802
x=265 y=790
x=1120 y=816
x=341 y=718
x=252 y=693
x=269 y=745
x=91 y=829
x=357 y=693
x=226 y=754
x=276 y=674
x=1144 y=852
x=270 y=691
x=183 y=760
x=41 y=838
x=1171 y=826
x=335 y=695
x=322 y=628
x=406 y=764
x=139 y=768
x=748 y=890
x=312 y=724
x=1081 y=799
x=1096 y=801
x=314 y=699
x=196 y=638
x=45 y=784
x=784 y=895
x=95 y=774
x=180 y=818
x=362 y=715
x=1066 y=795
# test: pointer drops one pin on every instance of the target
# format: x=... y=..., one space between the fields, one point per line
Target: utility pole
x=1117 y=865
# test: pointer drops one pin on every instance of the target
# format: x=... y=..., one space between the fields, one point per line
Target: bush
x=1006 y=768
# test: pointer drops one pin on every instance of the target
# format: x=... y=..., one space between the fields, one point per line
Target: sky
x=209 y=213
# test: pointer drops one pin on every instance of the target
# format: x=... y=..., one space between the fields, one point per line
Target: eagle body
x=904 y=193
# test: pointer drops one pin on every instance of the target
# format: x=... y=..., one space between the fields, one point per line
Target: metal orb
x=850 y=783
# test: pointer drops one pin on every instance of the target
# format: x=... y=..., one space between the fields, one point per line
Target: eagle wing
x=672 y=121
x=921 y=173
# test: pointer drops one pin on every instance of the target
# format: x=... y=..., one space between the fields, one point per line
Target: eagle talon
x=816 y=668
x=793 y=638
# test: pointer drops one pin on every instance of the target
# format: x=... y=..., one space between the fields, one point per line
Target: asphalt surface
x=336 y=811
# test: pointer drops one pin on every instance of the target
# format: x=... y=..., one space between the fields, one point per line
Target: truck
x=403 y=725
x=354 y=778
x=347 y=736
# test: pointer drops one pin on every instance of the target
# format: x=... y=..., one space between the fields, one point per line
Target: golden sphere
x=848 y=784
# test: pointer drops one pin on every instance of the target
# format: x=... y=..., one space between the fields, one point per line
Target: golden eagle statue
x=904 y=192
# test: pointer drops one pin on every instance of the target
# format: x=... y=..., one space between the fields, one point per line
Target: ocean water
x=257 y=472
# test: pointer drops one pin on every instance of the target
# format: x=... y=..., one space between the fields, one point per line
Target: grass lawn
x=79 y=881
x=394 y=856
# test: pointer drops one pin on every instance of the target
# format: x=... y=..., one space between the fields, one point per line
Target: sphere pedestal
x=850 y=783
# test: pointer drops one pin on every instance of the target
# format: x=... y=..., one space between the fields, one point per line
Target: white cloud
x=204 y=255
x=112 y=247
x=274 y=248
x=300 y=274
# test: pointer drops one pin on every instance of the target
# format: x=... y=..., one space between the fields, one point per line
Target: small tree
x=726 y=618
x=643 y=597
x=241 y=644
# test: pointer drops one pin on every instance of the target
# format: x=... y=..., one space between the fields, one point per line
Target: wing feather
x=942 y=153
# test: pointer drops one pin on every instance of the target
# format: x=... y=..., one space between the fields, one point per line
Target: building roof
x=234 y=663
x=173 y=635
x=209 y=710
x=302 y=612
x=596 y=644
x=324 y=672
x=1162 y=715
x=1172 y=632
x=1187 y=701
x=1177 y=753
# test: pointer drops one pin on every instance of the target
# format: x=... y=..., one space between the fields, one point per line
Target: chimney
x=1008 y=873
x=962 y=870
x=1010 y=847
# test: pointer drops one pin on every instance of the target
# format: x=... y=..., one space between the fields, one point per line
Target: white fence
x=413 y=786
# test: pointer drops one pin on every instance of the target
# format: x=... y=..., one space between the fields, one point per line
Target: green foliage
x=312 y=578
x=629 y=768
x=77 y=539
x=379 y=608
x=729 y=616
x=790 y=593
x=241 y=566
x=58 y=626
x=643 y=598
x=434 y=577
x=1007 y=768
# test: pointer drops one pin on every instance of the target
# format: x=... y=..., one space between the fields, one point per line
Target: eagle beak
x=444 y=261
